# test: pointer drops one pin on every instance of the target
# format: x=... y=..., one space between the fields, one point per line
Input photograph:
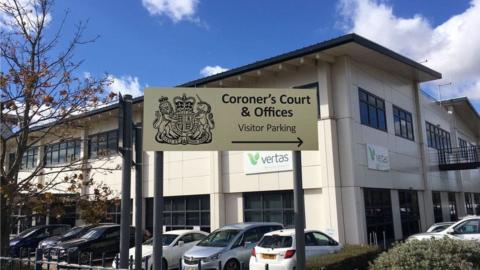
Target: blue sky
x=168 y=42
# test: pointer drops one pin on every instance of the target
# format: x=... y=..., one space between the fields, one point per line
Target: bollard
x=90 y=259
x=130 y=262
x=199 y=264
x=146 y=262
x=38 y=259
x=180 y=264
x=49 y=259
x=103 y=259
x=21 y=259
x=266 y=266
x=117 y=261
x=28 y=258
x=219 y=265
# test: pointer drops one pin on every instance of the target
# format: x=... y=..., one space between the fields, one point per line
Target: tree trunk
x=4 y=227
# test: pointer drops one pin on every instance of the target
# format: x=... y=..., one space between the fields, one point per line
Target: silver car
x=229 y=246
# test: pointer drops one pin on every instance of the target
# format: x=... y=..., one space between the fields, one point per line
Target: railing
x=459 y=158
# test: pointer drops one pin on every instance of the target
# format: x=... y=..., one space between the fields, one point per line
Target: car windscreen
x=219 y=238
x=167 y=239
x=440 y=228
x=27 y=232
x=73 y=231
x=93 y=234
x=275 y=241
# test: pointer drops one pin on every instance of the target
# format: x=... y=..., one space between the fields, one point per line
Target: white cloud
x=125 y=85
x=30 y=11
x=176 y=10
x=212 y=70
x=451 y=47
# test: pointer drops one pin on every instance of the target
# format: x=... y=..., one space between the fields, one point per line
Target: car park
x=278 y=250
x=229 y=246
x=29 y=238
x=437 y=227
x=467 y=228
x=46 y=244
x=102 y=242
x=175 y=244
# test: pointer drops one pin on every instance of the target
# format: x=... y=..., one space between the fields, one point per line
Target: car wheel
x=84 y=258
x=232 y=265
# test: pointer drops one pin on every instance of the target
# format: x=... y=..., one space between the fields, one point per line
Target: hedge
x=351 y=257
x=445 y=254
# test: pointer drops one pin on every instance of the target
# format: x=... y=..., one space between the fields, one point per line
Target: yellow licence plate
x=268 y=256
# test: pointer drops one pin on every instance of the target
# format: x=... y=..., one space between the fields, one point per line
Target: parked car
x=467 y=228
x=102 y=241
x=437 y=227
x=277 y=249
x=229 y=245
x=29 y=238
x=175 y=243
x=46 y=244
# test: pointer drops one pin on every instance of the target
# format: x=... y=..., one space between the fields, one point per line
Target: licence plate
x=190 y=268
x=54 y=256
x=269 y=256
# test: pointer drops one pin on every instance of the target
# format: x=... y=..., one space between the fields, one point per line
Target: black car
x=28 y=239
x=99 y=242
x=76 y=232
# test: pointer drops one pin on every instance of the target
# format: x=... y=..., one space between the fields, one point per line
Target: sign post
x=138 y=195
x=126 y=119
x=223 y=119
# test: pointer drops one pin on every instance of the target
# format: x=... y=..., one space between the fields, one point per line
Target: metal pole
x=126 y=182
x=158 y=212
x=299 y=208
x=138 y=196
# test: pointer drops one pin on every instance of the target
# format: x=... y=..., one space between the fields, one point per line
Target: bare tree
x=42 y=99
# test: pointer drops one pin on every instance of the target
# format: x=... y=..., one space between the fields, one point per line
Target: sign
x=216 y=119
x=377 y=157
x=267 y=161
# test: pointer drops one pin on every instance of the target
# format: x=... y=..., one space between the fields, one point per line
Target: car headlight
x=211 y=258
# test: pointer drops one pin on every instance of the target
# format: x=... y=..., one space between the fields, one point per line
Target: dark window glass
x=372 y=110
x=114 y=212
x=274 y=206
x=452 y=204
x=181 y=213
x=103 y=144
x=476 y=202
x=62 y=152
x=437 y=138
x=403 y=123
x=29 y=159
x=469 y=203
x=464 y=147
x=409 y=213
x=437 y=207
x=378 y=214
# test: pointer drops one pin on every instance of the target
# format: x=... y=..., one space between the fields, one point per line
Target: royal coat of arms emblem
x=190 y=122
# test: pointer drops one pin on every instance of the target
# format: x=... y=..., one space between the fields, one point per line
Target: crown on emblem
x=162 y=99
x=184 y=103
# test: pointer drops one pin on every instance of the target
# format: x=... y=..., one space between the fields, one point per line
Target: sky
x=168 y=42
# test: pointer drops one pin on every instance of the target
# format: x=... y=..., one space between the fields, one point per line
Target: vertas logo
x=267 y=161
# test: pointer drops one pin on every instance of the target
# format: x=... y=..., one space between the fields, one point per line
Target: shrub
x=445 y=254
x=349 y=258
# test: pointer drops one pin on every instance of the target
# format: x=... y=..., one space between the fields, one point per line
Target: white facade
x=334 y=177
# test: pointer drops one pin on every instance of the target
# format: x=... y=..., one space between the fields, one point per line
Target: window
x=269 y=206
x=409 y=213
x=29 y=159
x=437 y=138
x=62 y=152
x=469 y=203
x=469 y=227
x=323 y=240
x=403 y=123
x=452 y=204
x=437 y=207
x=372 y=110
x=309 y=86
x=464 y=147
x=183 y=212
x=476 y=202
x=103 y=144
x=114 y=212
x=378 y=214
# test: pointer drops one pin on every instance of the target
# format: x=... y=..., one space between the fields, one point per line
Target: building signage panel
x=267 y=161
x=214 y=119
x=377 y=157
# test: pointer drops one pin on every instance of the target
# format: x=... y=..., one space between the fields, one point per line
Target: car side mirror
x=451 y=231
x=180 y=243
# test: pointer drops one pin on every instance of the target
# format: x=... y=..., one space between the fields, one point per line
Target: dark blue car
x=73 y=233
x=29 y=239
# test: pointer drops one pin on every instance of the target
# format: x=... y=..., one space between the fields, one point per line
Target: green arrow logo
x=254 y=158
x=372 y=153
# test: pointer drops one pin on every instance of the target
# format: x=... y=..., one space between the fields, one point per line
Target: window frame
x=106 y=148
x=379 y=110
x=61 y=154
x=286 y=209
x=397 y=117
x=438 y=138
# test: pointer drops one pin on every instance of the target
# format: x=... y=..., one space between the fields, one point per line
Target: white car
x=467 y=228
x=437 y=227
x=277 y=249
x=175 y=244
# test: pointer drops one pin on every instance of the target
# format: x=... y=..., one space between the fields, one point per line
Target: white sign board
x=377 y=157
x=267 y=161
